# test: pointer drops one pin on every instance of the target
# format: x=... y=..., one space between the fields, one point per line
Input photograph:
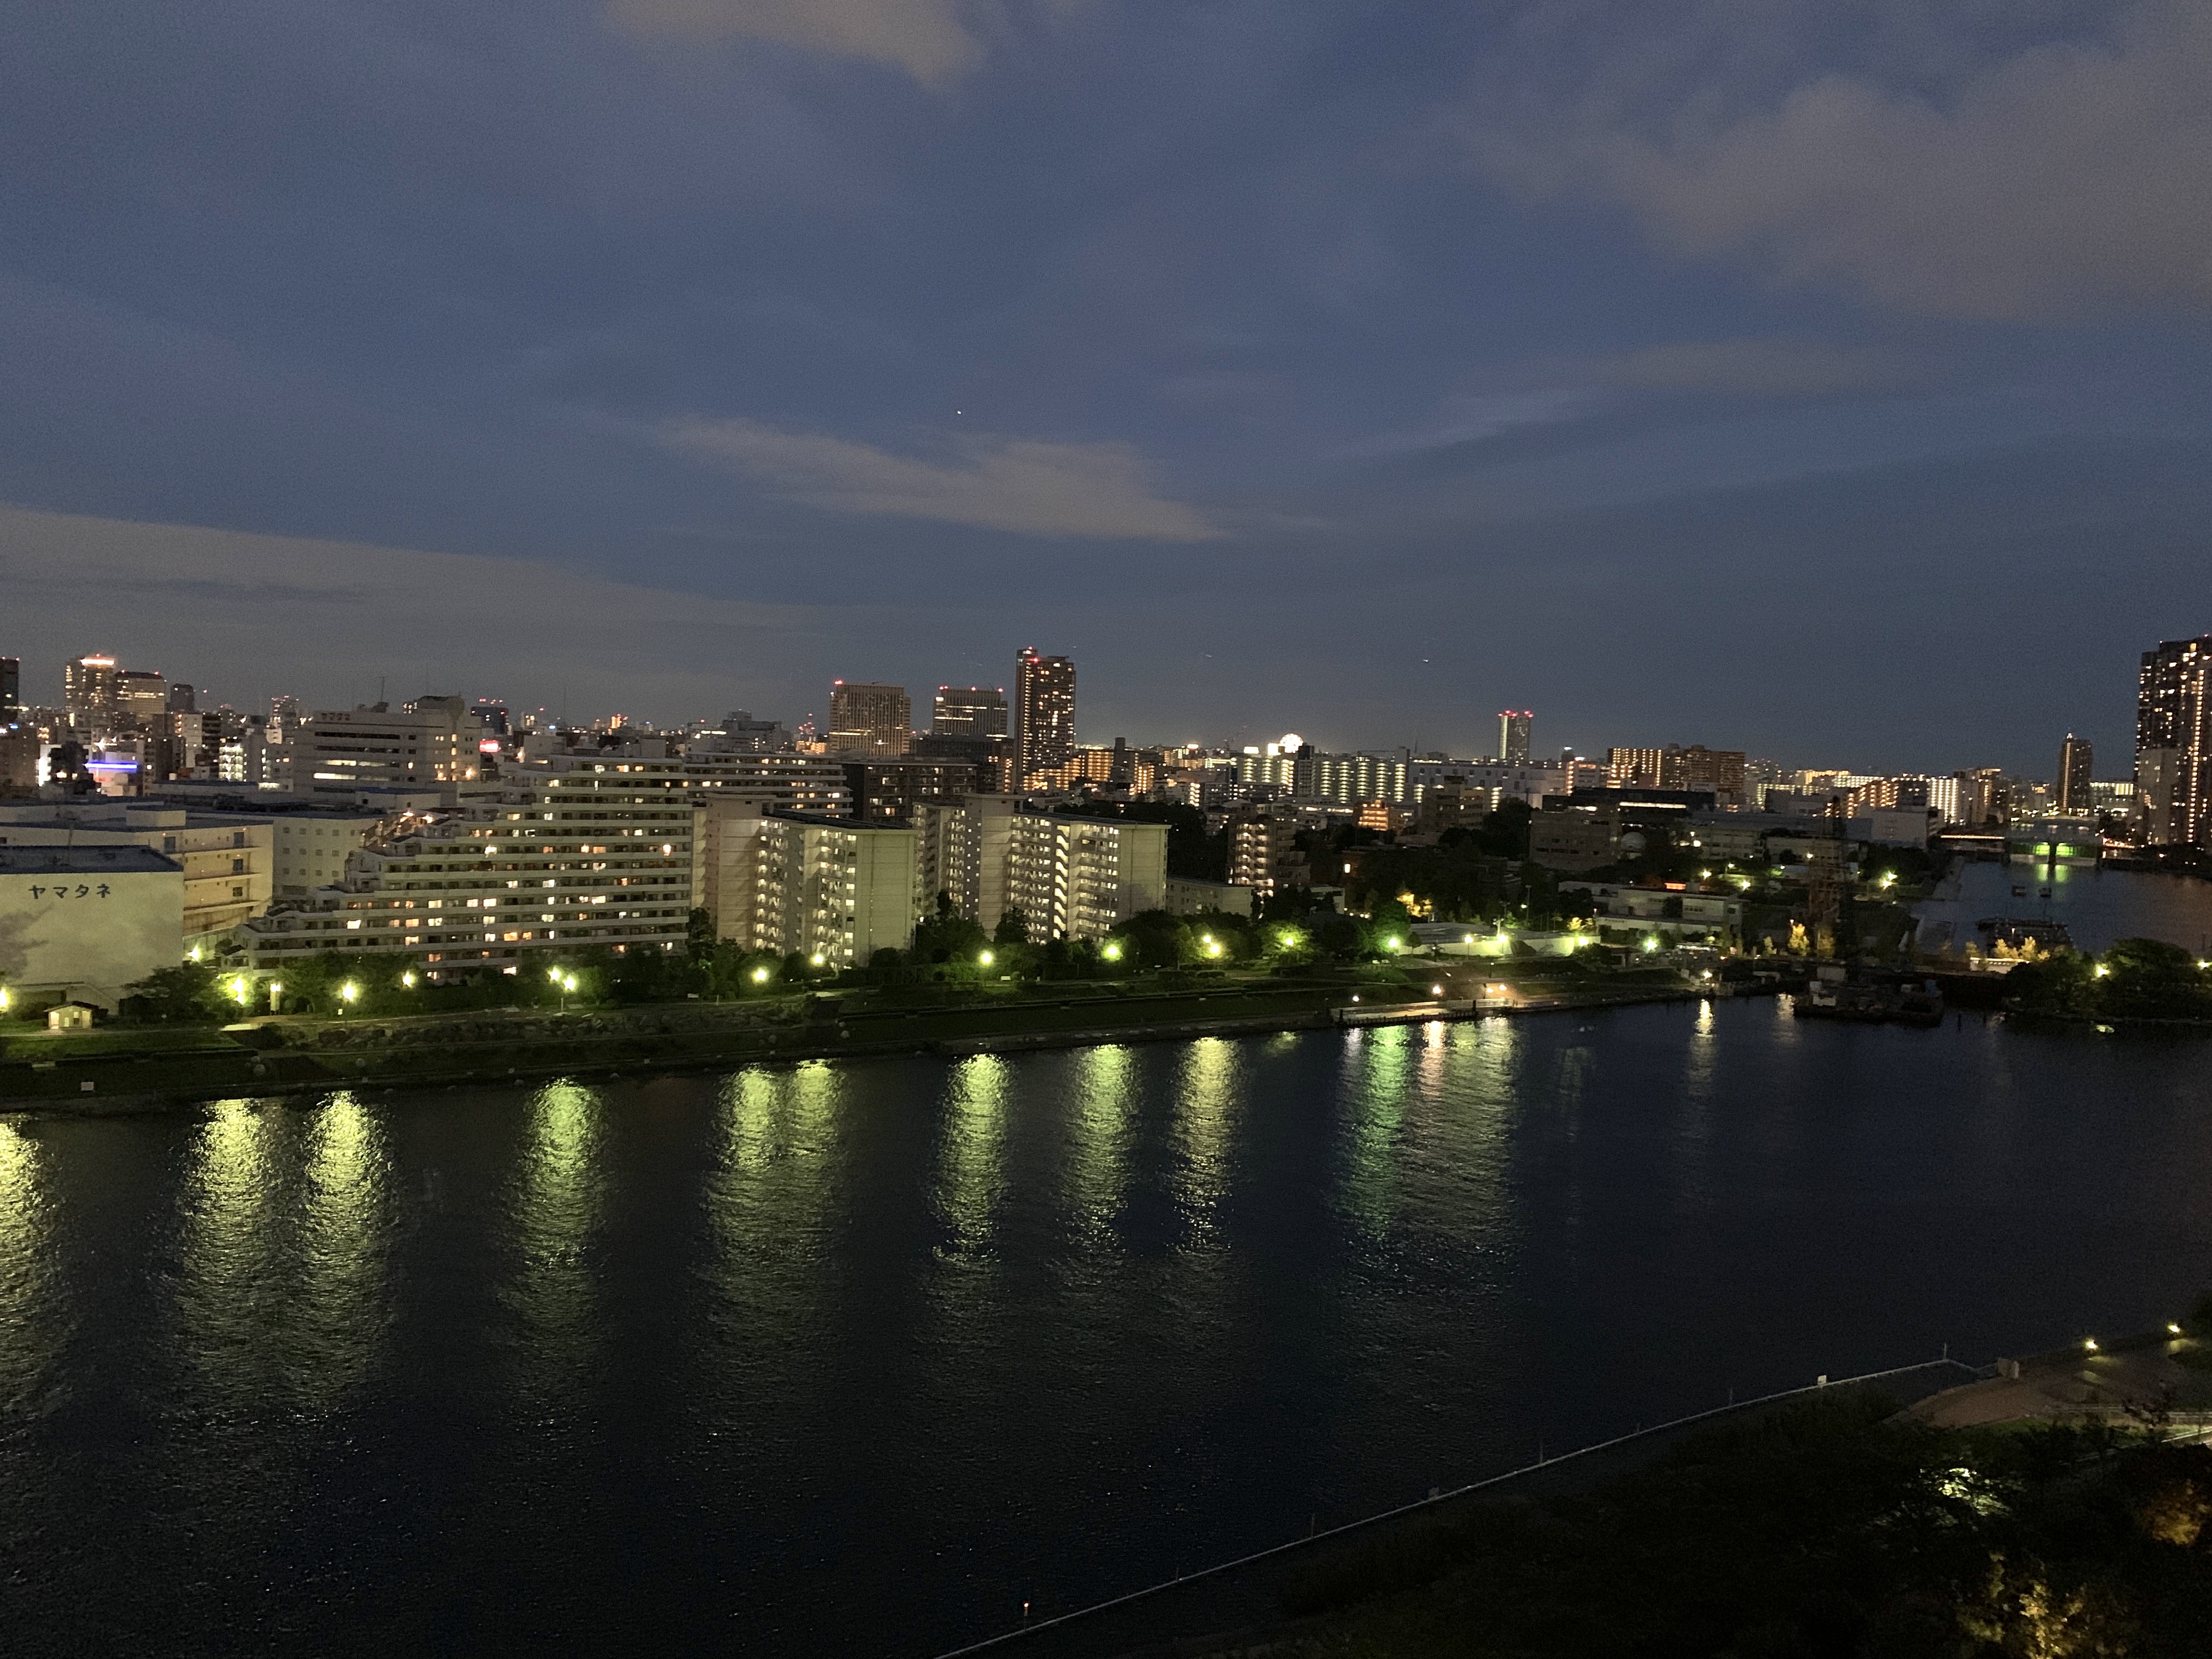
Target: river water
x=856 y=1358
x=2099 y=906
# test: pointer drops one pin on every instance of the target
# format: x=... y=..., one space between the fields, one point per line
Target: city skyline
x=1510 y=732
x=1464 y=356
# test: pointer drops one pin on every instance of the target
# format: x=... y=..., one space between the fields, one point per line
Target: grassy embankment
x=295 y=1052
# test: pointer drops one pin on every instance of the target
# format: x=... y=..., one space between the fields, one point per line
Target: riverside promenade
x=131 y=1068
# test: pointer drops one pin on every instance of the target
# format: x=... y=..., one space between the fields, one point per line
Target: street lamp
x=1113 y=951
x=760 y=975
x=985 y=958
x=349 y=992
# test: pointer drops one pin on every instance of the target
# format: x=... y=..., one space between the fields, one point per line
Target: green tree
x=945 y=936
x=1388 y=921
x=2148 y=979
x=1152 y=939
x=1504 y=832
x=1340 y=936
x=186 y=994
x=1013 y=927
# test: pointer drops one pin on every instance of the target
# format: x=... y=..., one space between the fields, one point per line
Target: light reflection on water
x=343 y=1234
x=229 y=1301
x=282 y=1288
x=863 y=1356
x=1208 y=1096
x=33 y=1323
x=972 y=1150
x=550 y=1291
x=1103 y=1106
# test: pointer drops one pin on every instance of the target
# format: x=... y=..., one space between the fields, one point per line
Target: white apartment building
x=1529 y=783
x=432 y=742
x=310 y=848
x=1071 y=876
x=834 y=890
x=558 y=857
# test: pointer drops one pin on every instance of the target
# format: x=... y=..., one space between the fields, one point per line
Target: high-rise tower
x=869 y=720
x=1513 y=736
x=969 y=711
x=89 y=694
x=1044 y=714
x=2076 y=763
x=2171 y=741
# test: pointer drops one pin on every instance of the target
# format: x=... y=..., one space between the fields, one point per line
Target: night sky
x=1828 y=379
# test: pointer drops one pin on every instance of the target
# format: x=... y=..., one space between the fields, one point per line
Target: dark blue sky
x=1826 y=379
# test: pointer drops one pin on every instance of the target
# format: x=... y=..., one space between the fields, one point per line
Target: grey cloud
x=927 y=38
x=250 y=615
x=2062 y=178
x=1778 y=367
x=1480 y=417
x=997 y=483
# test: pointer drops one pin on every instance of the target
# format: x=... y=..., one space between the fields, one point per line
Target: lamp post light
x=275 y=995
x=986 y=958
x=349 y=993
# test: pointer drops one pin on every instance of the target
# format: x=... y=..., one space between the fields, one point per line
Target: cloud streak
x=927 y=38
x=1019 y=485
x=250 y=615
x=2061 y=179
x=1759 y=367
